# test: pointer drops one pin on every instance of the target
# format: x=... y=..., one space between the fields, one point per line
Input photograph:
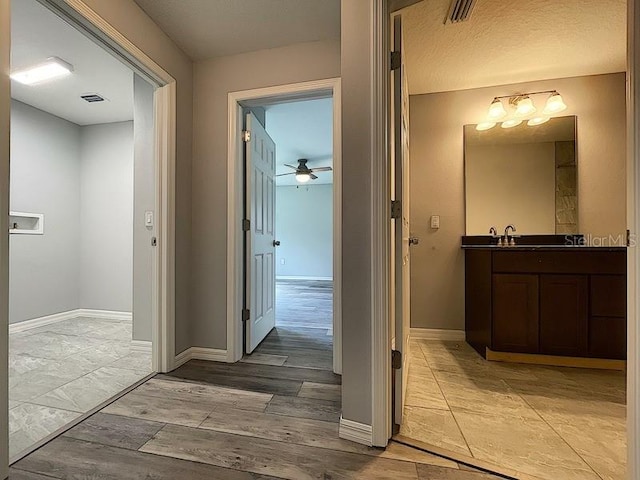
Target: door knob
x=276 y=243
x=414 y=240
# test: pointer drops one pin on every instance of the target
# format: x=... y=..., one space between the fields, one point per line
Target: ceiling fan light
x=485 y=126
x=555 y=104
x=496 y=110
x=303 y=177
x=524 y=107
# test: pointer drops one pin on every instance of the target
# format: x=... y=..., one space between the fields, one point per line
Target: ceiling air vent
x=460 y=11
x=92 y=98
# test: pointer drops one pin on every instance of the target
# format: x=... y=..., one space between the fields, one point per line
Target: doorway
x=304 y=303
x=85 y=223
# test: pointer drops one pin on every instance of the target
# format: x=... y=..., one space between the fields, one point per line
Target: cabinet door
x=515 y=313
x=564 y=315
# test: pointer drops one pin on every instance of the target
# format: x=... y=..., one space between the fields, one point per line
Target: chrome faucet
x=506 y=241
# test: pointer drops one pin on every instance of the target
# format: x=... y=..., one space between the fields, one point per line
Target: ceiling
x=212 y=28
x=507 y=42
x=36 y=34
x=302 y=129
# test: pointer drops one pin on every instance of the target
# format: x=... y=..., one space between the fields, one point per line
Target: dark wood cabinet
x=515 y=313
x=550 y=301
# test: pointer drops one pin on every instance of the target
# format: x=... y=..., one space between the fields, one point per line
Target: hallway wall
x=213 y=80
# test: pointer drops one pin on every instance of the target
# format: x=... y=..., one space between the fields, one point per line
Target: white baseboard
x=105 y=314
x=356 y=432
x=142 y=346
x=296 y=277
x=437 y=334
x=200 y=353
x=68 y=315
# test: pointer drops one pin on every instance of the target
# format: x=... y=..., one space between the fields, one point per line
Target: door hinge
x=246 y=314
x=246 y=225
x=396 y=359
x=246 y=136
x=396 y=60
x=396 y=209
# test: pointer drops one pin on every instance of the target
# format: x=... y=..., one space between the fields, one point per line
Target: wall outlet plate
x=435 y=221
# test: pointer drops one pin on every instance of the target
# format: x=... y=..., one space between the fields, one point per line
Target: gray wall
x=106 y=216
x=213 y=80
x=304 y=226
x=45 y=178
x=5 y=115
x=144 y=200
x=356 y=210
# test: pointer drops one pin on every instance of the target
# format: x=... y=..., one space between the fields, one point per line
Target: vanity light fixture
x=555 y=104
x=524 y=106
x=514 y=122
x=485 y=126
x=496 y=110
x=538 y=121
x=51 y=68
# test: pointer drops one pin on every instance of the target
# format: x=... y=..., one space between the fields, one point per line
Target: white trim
x=302 y=277
x=141 y=346
x=380 y=226
x=355 y=432
x=199 y=353
x=68 y=315
x=438 y=334
x=235 y=201
x=633 y=223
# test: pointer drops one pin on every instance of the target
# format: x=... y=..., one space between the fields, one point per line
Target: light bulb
x=496 y=110
x=485 y=126
x=514 y=122
x=303 y=177
x=525 y=107
x=555 y=104
x=537 y=121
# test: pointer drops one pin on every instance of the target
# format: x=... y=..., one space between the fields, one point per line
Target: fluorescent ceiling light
x=51 y=68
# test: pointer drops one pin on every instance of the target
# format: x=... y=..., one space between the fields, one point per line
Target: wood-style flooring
x=249 y=420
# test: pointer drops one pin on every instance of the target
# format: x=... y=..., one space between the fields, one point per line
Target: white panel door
x=402 y=270
x=260 y=157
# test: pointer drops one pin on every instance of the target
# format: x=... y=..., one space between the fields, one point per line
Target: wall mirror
x=524 y=175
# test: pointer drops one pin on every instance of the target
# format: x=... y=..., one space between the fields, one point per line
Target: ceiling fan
x=302 y=172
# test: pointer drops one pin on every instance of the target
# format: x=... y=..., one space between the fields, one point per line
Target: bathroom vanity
x=549 y=300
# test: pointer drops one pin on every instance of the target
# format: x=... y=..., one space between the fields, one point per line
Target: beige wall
x=5 y=115
x=213 y=80
x=437 y=180
x=134 y=24
x=511 y=184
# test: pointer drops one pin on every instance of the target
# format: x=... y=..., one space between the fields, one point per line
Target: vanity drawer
x=565 y=261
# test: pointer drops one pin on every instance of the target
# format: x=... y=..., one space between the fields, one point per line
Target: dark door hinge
x=628 y=238
x=246 y=314
x=246 y=136
x=396 y=359
x=246 y=225
x=396 y=60
x=396 y=209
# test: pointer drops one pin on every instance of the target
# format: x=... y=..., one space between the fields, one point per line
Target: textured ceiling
x=302 y=130
x=213 y=28
x=36 y=34
x=513 y=41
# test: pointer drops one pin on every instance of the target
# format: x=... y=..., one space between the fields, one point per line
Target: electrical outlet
x=435 y=221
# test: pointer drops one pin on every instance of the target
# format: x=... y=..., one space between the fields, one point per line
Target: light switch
x=435 y=221
x=148 y=219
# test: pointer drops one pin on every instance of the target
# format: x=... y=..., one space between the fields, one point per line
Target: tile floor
x=553 y=423
x=60 y=371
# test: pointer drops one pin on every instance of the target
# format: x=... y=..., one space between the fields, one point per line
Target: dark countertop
x=558 y=248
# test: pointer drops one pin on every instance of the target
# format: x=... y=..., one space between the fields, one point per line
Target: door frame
x=235 y=197
x=87 y=21
x=381 y=412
